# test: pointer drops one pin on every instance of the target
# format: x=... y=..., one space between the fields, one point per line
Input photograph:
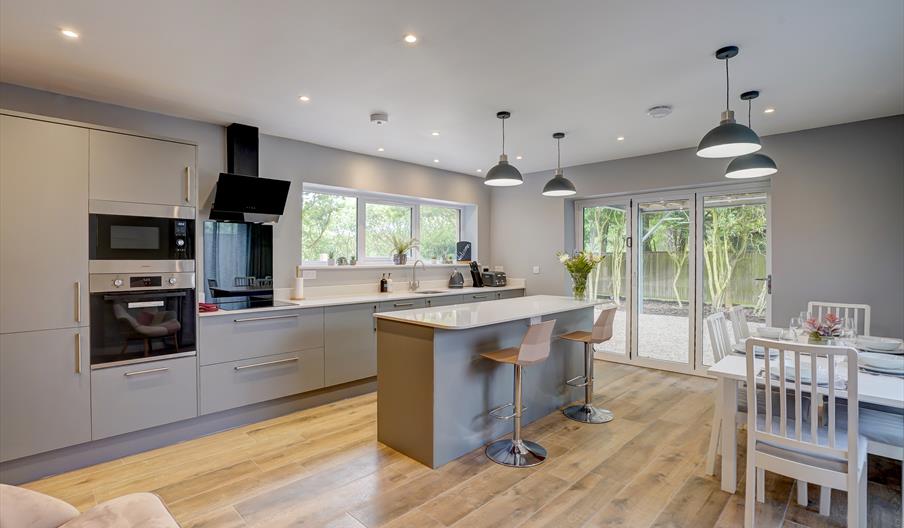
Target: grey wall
x=837 y=216
x=280 y=158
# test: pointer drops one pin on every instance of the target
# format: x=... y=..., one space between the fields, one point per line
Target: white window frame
x=365 y=197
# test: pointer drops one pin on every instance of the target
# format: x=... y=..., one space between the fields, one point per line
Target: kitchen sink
x=430 y=292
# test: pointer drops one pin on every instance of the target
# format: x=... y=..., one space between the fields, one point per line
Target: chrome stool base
x=523 y=454
x=585 y=413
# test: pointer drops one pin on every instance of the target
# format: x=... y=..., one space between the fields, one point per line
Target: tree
x=731 y=234
x=604 y=233
x=669 y=232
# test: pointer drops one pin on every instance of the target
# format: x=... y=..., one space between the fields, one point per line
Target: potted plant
x=433 y=259
x=353 y=260
x=821 y=332
x=331 y=258
x=400 y=248
x=579 y=267
x=342 y=261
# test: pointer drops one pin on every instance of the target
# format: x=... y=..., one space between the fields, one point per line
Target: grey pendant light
x=754 y=165
x=559 y=185
x=729 y=139
x=503 y=174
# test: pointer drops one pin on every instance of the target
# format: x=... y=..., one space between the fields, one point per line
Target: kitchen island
x=435 y=390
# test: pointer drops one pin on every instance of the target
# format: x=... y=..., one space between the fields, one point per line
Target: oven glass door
x=143 y=324
x=115 y=237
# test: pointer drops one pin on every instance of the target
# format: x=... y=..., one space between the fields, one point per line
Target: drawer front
x=478 y=297
x=133 y=397
x=230 y=385
x=445 y=300
x=243 y=336
x=509 y=294
x=402 y=304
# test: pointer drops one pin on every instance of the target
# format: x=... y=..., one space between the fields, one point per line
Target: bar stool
x=601 y=332
x=515 y=452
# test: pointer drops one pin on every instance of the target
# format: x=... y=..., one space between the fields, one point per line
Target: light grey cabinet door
x=128 y=168
x=231 y=337
x=229 y=385
x=134 y=397
x=350 y=343
x=509 y=294
x=43 y=225
x=45 y=391
x=445 y=300
x=479 y=297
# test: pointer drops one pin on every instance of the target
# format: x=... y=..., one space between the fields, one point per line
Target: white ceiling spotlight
x=620 y=138
x=436 y=161
x=410 y=38
x=70 y=34
x=769 y=110
x=434 y=133
x=659 y=111
x=381 y=149
x=379 y=118
x=304 y=98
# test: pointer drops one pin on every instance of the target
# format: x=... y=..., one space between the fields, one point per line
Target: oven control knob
x=180 y=242
x=172 y=280
x=117 y=282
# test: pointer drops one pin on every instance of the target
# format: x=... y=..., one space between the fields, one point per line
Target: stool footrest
x=575 y=383
x=495 y=412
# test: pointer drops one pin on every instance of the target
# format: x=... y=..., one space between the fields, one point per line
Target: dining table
x=883 y=391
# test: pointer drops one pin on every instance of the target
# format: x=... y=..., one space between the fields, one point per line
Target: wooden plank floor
x=324 y=467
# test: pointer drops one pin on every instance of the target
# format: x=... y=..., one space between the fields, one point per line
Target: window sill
x=377 y=266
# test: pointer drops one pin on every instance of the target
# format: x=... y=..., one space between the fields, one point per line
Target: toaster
x=493 y=278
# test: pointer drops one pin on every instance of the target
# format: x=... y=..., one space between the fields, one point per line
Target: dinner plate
x=885 y=362
x=882 y=372
x=898 y=352
x=880 y=344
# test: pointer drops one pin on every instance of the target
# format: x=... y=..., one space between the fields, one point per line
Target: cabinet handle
x=148 y=371
x=478 y=296
x=265 y=363
x=78 y=353
x=78 y=301
x=187 y=184
x=402 y=305
x=270 y=318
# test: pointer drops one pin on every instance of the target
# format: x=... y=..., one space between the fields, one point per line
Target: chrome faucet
x=414 y=284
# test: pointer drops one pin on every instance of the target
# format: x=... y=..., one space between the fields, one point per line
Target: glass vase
x=579 y=286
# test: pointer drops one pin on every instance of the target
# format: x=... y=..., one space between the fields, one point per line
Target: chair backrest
x=244 y=281
x=858 y=312
x=739 y=325
x=212 y=283
x=805 y=437
x=535 y=346
x=717 y=327
x=603 y=326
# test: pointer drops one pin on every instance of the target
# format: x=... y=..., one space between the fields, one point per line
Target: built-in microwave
x=130 y=237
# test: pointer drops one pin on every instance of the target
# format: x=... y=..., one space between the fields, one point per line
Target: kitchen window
x=344 y=223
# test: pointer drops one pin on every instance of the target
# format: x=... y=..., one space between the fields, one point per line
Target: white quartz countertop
x=360 y=298
x=473 y=315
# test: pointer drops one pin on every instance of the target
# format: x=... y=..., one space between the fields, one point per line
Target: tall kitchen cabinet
x=128 y=168
x=44 y=360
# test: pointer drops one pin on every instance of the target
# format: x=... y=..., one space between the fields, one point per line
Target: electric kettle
x=456 y=280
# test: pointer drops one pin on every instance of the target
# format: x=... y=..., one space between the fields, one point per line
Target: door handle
x=768 y=279
x=78 y=353
x=148 y=371
x=78 y=301
x=187 y=184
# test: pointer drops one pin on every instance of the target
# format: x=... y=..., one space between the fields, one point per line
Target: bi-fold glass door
x=671 y=259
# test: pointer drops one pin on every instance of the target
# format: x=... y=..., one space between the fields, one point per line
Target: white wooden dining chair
x=829 y=455
x=717 y=328
x=858 y=312
x=739 y=325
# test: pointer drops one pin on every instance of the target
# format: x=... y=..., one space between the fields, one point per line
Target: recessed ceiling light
x=304 y=98
x=519 y=157
x=620 y=138
x=68 y=33
x=434 y=133
x=479 y=170
x=436 y=161
x=769 y=110
x=381 y=149
x=411 y=38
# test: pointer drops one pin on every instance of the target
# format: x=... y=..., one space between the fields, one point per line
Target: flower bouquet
x=821 y=331
x=579 y=267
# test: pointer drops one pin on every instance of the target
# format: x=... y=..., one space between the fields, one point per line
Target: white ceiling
x=587 y=67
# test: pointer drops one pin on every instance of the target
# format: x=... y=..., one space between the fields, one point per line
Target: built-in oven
x=141 y=317
x=140 y=237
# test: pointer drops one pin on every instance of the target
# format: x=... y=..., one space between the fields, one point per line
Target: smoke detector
x=379 y=118
x=659 y=111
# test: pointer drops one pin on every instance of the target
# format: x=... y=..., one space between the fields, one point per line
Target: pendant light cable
x=727 y=90
x=503 y=137
x=559 y=153
x=749 y=121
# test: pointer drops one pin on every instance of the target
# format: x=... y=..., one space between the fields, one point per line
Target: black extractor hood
x=240 y=195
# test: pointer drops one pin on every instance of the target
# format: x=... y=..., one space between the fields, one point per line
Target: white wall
x=837 y=213
x=280 y=158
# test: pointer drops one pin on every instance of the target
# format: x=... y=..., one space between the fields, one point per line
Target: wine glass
x=849 y=331
x=795 y=327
